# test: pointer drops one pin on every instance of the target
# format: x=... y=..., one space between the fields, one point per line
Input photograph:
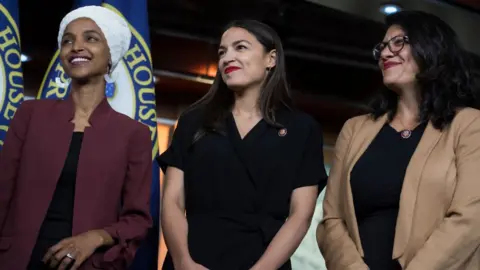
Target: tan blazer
x=438 y=224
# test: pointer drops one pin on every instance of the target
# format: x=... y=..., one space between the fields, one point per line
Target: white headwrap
x=114 y=27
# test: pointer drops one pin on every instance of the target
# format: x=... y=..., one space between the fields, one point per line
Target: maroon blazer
x=112 y=187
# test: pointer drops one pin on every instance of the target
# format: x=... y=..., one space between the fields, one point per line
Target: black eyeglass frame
x=377 y=50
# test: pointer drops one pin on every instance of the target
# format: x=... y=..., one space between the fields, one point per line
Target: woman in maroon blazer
x=75 y=174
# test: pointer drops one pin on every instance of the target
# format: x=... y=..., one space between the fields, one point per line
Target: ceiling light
x=388 y=9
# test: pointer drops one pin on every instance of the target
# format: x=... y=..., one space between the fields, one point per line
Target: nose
x=386 y=53
x=78 y=46
x=228 y=57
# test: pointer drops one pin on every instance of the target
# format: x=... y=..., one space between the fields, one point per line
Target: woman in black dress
x=241 y=162
x=403 y=192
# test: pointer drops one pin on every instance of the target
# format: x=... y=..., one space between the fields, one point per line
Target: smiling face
x=243 y=61
x=399 y=67
x=84 y=51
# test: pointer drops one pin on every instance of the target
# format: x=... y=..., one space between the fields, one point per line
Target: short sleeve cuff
x=312 y=170
x=169 y=159
x=312 y=177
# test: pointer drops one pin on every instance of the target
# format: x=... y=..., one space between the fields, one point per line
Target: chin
x=392 y=81
x=395 y=83
x=236 y=86
x=79 y=77
x=84 y=74
x=388 y=82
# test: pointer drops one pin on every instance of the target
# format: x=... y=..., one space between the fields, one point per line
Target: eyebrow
x=236 y=43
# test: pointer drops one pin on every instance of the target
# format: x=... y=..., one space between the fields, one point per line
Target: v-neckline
x=420 y=126
x=250 y=133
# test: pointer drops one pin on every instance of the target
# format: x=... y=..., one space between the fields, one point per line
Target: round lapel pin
x=282 y=132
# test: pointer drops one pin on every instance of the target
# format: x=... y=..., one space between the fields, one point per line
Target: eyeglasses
x=395 y=45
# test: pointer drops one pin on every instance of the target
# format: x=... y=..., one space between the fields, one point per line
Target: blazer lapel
x=360 y=142
x=60 y=135
x=408 y=197
x=97 y=134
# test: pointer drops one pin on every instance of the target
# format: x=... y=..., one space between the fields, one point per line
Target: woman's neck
x=87 y=96
x=408 y=106
x=246 y=102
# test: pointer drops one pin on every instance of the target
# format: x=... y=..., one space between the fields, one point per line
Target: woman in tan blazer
x=404 y=190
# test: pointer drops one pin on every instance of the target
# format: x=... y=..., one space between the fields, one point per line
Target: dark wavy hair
x=445 y=77
x=218 y=101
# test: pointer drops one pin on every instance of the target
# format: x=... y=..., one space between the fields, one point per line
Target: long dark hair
x=275 y=94
x=446 y=77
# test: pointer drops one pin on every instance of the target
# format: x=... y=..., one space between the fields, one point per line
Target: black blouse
x=57 y=224
x=376 y=181
x=238 y=190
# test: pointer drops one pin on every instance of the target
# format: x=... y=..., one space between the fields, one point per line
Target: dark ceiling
x=472 y=5
x=329 y=61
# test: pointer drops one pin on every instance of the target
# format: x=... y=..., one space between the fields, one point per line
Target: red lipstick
x=388 y=65
x=230 y=69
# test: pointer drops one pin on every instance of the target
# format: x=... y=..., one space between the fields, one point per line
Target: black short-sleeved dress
x=376 y=182
x=238 y=190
